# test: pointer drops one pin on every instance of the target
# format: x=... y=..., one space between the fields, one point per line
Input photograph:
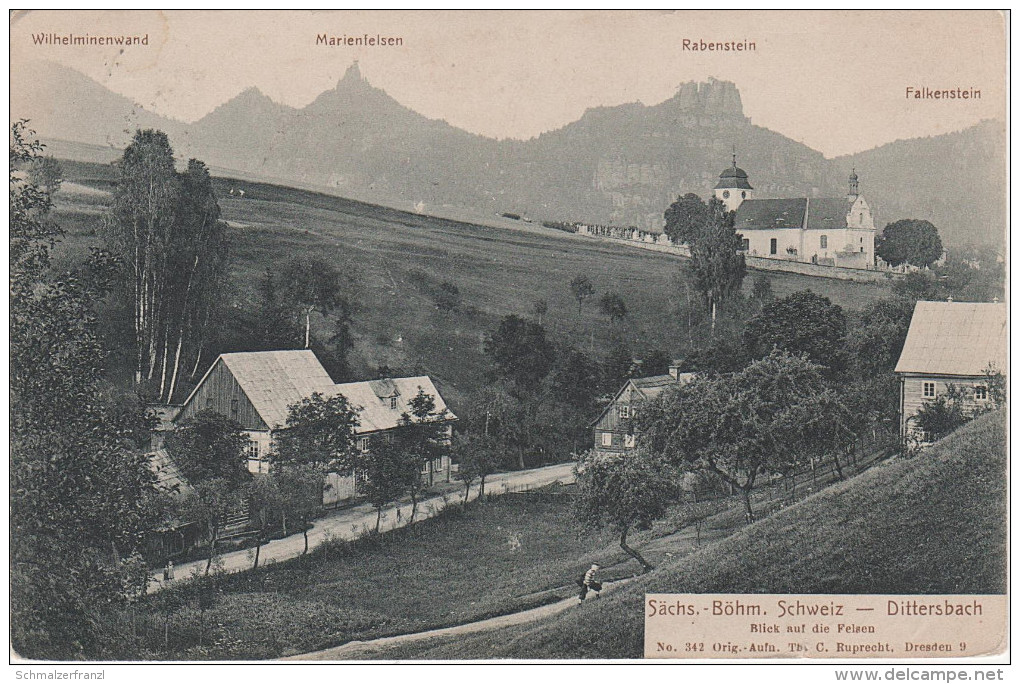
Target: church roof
x=734 y=177
x=768 y=214
x=827 y=213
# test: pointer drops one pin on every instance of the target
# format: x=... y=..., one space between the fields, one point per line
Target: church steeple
x=853 y=194
x=733 y=187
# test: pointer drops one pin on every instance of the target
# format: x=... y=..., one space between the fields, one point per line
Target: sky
x=835 y=81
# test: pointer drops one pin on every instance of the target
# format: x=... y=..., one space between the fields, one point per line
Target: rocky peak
x=712 y=99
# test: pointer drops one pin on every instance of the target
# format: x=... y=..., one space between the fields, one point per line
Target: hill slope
x=928 y=525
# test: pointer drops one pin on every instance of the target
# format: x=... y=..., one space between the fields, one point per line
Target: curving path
x=353 y=522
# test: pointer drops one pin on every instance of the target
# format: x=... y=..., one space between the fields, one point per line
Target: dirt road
x=353 y=522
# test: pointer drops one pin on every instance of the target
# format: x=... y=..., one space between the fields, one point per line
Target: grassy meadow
x=399 y=258
x=931 y=524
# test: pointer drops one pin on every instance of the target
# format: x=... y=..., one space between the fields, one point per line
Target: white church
x=832 y=231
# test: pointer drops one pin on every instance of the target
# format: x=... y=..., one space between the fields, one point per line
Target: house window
x=208 y=402
x=363 y=444
x=393 y=402
x=928 y=390
x=981 y=393
x=823 y=241
x=389 y=438
x=233 y=406
x=607 y=439
x=773 y=246
x=624 y=412
x=628 y=441
x=253 y=450
x=745 y=244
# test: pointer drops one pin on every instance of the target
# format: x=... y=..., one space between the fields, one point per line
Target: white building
x=830 y=231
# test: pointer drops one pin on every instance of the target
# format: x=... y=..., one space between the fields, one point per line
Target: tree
x=312 y=285
x=47 y=174
x=801 y=323
x=478 y=457
x=911 y=241
x=263 y=495
x=208 y=503
x=716 y=269
x=624 y=493
x=388 y=472
x=167 y=225
x=301 y=487
x=422 y=437
x=685 y=219
x=762 y=419
x=613 y=307
x=540 y=309
x=80 y=485
x=657 y=362
x=617 y=367
x=209 y=445
x=447 y=296
x=761 y=290
x=520 y=351
x=320 y=431
x=581 y=287
x=939 y=417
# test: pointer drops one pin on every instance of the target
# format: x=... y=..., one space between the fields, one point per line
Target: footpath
x=351 y=523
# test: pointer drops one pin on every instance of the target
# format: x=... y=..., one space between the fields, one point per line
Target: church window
x=726 y=194
x=773 y=246
x=823 y=241
x=743 y=194
x=862 y=217
x=745 y=244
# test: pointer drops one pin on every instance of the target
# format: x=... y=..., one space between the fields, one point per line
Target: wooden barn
x=949 y=343
x=614 y=428
x=257 y=388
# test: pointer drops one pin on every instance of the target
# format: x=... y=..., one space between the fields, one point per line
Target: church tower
x=733 y=187
x=852 y=196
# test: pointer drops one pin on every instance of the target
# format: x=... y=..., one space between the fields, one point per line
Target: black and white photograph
x=518 y=336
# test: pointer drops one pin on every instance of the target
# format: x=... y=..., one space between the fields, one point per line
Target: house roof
x=169 y=479
x=649 y=388
x=954 y=338
x=273 y=380
x=373 y=397
x=768 y=214
x=827 y=213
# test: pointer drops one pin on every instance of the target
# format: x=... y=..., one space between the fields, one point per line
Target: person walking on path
x=168 y=571
x=589 y=581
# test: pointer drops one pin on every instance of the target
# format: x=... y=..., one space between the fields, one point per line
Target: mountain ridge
x=620 y=164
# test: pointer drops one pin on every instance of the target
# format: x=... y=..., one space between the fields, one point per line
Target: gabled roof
x=169 y=479
x=827 y=213
x=768 y=214
x=955 y=338
x=373 y=398
x=649 y=388
x=273 y=380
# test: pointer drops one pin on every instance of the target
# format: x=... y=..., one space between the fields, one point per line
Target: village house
x=615 y=433
x=949 y=343
x=256 y=389
x=834 y=231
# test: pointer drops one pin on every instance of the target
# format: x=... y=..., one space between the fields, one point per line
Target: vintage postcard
x=527 y=336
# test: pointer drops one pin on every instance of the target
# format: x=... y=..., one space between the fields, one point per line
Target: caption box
x=823 y=626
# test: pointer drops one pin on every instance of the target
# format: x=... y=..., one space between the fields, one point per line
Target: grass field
x=496 y=558
x=399 y=257
x=932 y=524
